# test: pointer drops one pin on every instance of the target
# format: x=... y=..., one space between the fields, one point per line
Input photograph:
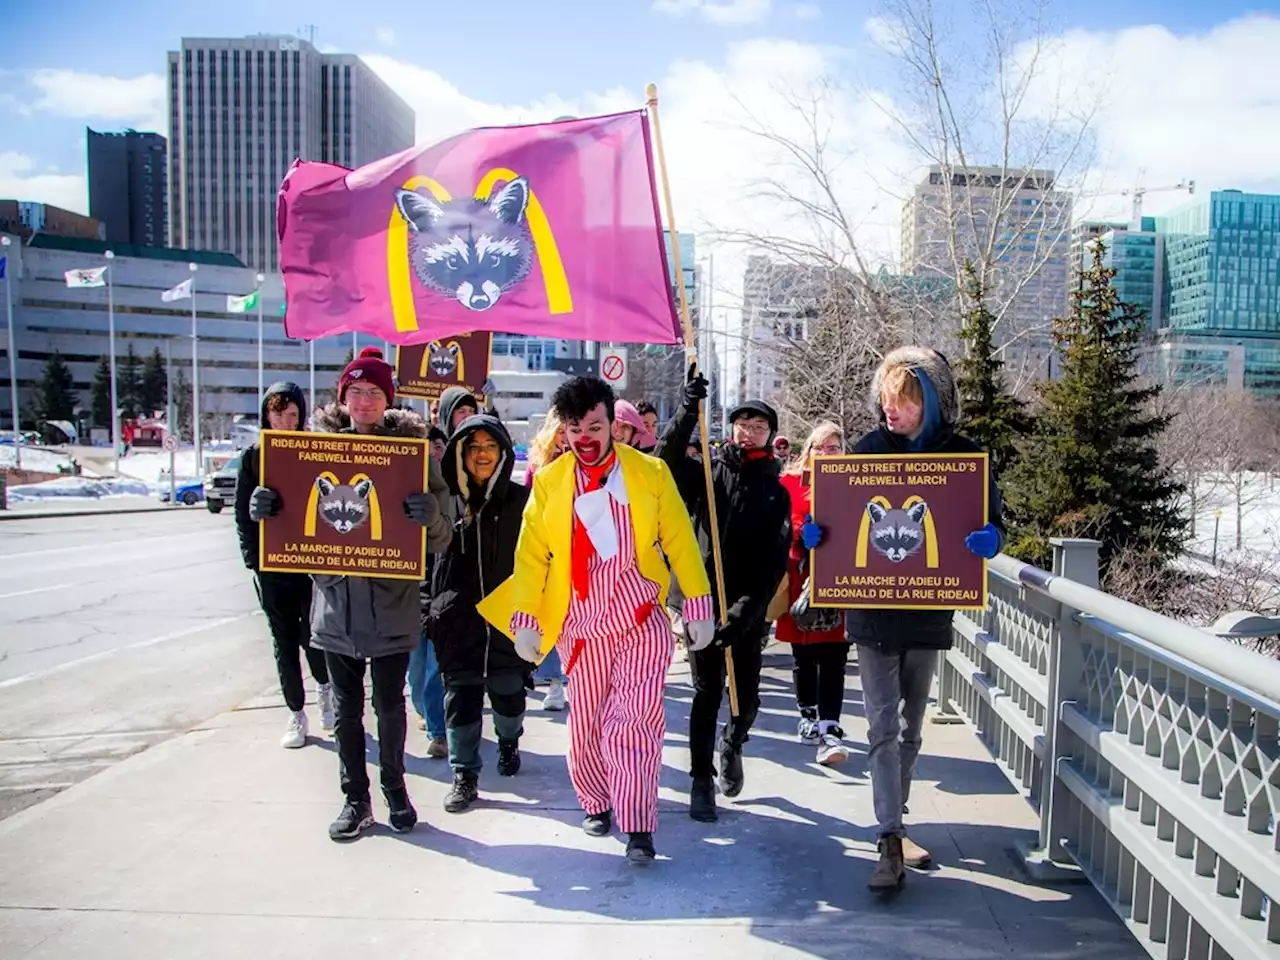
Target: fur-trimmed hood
x=334 y=418
x=920 y=360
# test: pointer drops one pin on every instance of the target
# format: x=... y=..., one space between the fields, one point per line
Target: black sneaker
x=598 y=824
x=463 y=793
x=508 y=758
x=640 y=850
x=702 y=800
x=731 y=774
x=354 y=819
x=402 y=815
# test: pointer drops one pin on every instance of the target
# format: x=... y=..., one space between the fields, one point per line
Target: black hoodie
x=480 y=556
x=248 y=477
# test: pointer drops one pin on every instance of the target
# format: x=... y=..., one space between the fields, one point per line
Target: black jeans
x=708 y=671
x=819 y=676
x=388 y=703
x=286 y=600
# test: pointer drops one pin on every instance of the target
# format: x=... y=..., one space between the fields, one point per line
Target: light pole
x=13 y=353
x=195 y=375
x=111 y=354
x=261 y=278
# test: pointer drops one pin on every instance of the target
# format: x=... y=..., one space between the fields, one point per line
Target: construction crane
x=1139 y=192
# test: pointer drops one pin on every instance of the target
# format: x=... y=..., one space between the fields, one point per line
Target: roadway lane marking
x=24 y=593
x=89 y=547
x=153 y=641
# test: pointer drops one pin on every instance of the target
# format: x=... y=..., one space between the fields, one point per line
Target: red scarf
x=758 y=453
x=583 y=549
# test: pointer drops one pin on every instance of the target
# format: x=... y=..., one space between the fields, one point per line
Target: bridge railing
x=1148 y=747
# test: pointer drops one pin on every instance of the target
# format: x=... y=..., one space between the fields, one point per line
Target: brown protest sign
x=341 y=504
x=895 y=530
x=428 y=369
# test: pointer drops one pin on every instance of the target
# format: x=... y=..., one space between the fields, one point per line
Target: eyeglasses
x=355 y=393
x=754 y=429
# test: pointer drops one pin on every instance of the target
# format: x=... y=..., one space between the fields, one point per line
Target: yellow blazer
x=542 y=582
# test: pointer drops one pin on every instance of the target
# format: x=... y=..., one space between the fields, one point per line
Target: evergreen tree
x=182 y=404
x=155 y=383
x=992 y=417
x=56 y=397
x=100 y=395
x=129 y=384
x=1090 y=468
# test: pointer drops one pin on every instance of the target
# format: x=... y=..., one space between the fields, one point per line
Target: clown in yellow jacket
x=590 y=577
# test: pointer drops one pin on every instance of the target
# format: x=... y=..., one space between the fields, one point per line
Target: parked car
x=189 y=492
x=220 y=487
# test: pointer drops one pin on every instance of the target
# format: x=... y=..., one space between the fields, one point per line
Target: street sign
x=613 y=367
x=171 y=443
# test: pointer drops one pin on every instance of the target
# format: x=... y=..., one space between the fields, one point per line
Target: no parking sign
x=613 y=367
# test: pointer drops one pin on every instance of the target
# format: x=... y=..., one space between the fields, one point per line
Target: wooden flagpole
x=691 y=356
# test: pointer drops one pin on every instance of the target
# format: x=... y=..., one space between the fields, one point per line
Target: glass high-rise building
x=1137 y=255
x=1221 y=289
x=241 y=111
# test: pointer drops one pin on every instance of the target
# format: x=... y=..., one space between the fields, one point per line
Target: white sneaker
x=831 y=752
x=324 y=700
x=808 y=730
x=295 y=735
x=555 y=699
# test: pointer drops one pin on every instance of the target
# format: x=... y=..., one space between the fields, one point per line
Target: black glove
x=421 y=508
x=695 y=385
x=264 y=503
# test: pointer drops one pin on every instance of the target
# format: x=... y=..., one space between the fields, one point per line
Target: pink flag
x=550 y=230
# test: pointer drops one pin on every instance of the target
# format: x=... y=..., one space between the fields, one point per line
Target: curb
x=112 y=511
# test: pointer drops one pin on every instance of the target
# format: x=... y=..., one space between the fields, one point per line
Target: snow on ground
x=1259 y=497
x=34 y=458
x=77 y=488
x=153 y=465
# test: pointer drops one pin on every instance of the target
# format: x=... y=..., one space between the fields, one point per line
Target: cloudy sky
x=1181 y=89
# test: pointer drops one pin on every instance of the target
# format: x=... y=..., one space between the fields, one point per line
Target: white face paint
x=481 y=299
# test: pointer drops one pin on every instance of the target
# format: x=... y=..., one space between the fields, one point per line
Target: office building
x=128 y=186
x=241 y=111
x=779 y=303
x=949 y=217
x=24 y=219
x=1136 y=253
x=1083 y=236
x=49 y=316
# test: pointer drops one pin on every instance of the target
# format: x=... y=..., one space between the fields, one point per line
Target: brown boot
x=889 y=874
x=914 y=855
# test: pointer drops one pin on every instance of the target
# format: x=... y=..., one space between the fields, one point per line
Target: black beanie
x=756 y=408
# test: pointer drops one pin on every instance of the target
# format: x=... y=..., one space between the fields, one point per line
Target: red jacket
x=786 y=629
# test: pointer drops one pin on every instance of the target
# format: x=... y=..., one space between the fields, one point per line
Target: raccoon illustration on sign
x=343 y=506
x=473 y=250
x=445 y=360
x=897 y=533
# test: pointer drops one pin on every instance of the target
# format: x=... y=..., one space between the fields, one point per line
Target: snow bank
x=45 y=461
x=77 y=488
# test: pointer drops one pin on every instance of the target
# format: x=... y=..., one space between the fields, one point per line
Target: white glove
x=699 y=634
x=528 y=644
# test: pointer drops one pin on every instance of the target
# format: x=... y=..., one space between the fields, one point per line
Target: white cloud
x=20 y=180
x=807 y=11
x=717 y=11
x=885 y=33
x=135 y=101
x=386 y=36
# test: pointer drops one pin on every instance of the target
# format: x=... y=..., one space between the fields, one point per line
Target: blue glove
x=984 y=543
x=810 y=533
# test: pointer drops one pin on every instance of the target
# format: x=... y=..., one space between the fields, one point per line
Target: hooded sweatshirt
x=894 y=631
x=481 y=555
x=450 y=400
x=249 y=476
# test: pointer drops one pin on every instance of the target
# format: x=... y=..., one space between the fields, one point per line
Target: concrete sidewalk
x=214 y=845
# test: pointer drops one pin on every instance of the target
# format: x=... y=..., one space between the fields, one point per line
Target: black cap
x=756 y=408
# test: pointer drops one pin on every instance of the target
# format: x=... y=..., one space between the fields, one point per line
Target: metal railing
x=1149 y=748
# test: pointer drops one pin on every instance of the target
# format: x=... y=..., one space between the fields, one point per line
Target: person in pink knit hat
x=630 y=429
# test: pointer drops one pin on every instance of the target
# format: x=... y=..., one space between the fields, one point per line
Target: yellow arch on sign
x=313 y=504
x=426 y=359
x=554 y=279
x=930 y=535
x=864 y=531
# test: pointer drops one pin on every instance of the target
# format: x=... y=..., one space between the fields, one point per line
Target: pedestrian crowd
x=583 y=575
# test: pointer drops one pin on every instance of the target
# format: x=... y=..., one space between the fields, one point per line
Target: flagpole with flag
x=311 y=372
x=111 y=352
x=195 y=373
x=691 y=355
x=12 y=350
x=257 y=295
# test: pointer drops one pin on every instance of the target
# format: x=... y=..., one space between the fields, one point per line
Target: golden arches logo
x=461 y=366
x=399 y=274
x=930 y=535
x=313 y=504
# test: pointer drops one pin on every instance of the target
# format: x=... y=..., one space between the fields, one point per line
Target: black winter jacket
x=893 y=631
x=249 y=477
x=754 y=514
x=480 y=556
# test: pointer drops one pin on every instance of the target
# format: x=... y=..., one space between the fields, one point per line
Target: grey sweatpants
x=895 y=691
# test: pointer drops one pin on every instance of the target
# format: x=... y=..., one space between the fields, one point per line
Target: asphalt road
x=117 y=632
